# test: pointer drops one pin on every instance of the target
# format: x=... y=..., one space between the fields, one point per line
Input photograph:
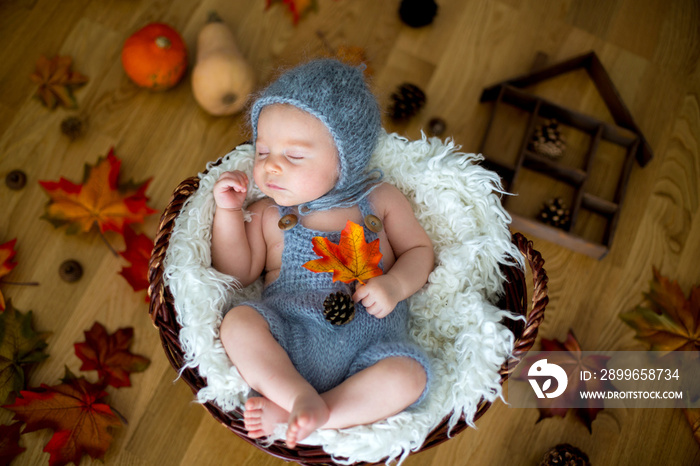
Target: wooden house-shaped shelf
x=592 y=178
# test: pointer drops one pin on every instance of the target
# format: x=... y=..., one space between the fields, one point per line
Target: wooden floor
x=651 y=49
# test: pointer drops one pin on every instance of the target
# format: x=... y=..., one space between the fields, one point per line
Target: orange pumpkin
x=155 y=57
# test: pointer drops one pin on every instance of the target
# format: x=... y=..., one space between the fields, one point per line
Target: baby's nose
x=272 y=166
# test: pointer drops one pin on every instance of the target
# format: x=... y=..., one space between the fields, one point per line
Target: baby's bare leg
x=376 y=393
x=266 y=367
x=382 y=390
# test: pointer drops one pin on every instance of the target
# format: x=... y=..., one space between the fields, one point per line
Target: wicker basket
x=163 y=314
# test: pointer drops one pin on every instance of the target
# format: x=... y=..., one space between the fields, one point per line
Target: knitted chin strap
x=337 y=95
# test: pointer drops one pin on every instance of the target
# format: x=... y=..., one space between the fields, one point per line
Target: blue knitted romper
x=323 y=353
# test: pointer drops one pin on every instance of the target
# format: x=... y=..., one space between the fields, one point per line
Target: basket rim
x=163 y=315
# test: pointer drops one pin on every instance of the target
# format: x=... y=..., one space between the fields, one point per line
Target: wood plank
x=599 y=205
x=547 y=166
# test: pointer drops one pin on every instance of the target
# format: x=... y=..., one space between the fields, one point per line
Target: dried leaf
x=109 y=355
x=693 y=417
x=9 y=442
x=298 y=8
x=352 y=55
x=671 y=322
x=75 y=411
x=99 y=201
x=349 y=260
x=568 y=356
x=7 y=253
x=20 y=346
x=138 y=253
x=56 y=81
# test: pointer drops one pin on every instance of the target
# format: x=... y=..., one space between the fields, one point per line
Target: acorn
x=339 y=308
x=70 y=271
x=436 y=127
x=16 y=180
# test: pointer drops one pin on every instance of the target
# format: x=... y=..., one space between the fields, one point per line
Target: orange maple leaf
x=352 y=55
x=109 y=355
x=99 y=201
x=7 y=253
x=77 y=414
x=351 y=259
x=298 y=8
x=138 y=253
x=671 y=322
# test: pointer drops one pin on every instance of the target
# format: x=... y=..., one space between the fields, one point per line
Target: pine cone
x=555 y=213
x=406 y=101
x=547 y=140
x=565 y=455
x=339 y=308
x=418 y=13
x=73 y=127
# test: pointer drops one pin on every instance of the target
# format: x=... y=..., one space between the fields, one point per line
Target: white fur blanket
x=452 y=319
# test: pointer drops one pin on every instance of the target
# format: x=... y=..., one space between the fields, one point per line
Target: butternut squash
x=222 y=79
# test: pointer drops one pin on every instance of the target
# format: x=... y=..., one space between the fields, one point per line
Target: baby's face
x=296 y=160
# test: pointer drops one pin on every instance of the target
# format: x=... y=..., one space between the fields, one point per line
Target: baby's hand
x=230 y=190
x=379 y=296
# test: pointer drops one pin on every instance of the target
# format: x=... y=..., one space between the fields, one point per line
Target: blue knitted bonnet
x=337 y=95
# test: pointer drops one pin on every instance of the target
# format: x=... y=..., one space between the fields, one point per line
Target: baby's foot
x=308 y=414
x=261 y=416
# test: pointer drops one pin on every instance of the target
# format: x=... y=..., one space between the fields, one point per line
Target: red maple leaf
x=109 y=355
x=138 y=253
x=7 y=252
x=9 y=442
x=567 y=355
x=77 y=414
x=349 y=260
x=100 y=201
